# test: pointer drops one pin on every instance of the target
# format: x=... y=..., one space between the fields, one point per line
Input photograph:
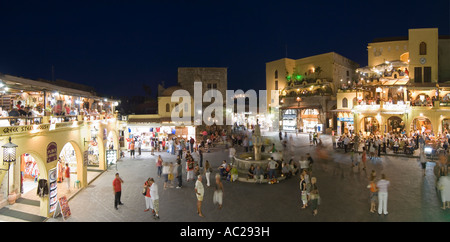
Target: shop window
x=345 y=103
x=422 y=48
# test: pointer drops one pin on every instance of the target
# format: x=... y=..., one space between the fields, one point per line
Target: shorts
x=166 y=177
x=200 y=198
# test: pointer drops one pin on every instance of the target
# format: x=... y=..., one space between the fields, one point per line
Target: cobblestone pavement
x=344 y=196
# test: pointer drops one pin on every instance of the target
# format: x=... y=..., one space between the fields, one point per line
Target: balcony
x=21 y=124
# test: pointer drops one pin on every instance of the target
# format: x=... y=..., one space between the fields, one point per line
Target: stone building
x=306 y=90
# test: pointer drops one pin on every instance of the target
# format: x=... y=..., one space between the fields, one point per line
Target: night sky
x=116 y=46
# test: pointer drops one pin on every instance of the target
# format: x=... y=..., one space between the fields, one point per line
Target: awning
x=303 y=107
x=341 y=110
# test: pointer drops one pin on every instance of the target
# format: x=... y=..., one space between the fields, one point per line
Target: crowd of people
x=189 y=161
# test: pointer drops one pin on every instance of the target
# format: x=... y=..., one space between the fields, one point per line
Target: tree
x=318 y=70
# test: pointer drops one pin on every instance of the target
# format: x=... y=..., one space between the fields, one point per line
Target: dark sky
x=116 y=46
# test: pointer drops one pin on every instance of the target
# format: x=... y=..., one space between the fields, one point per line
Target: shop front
x=289 y=119
x=395 y=125
x=345 y=124
x=422 y=124
x=370 y=125
x=310 y=121
x=157 y=133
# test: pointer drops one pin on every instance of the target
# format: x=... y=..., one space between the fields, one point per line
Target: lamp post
x=299 y=99
x=9 y=156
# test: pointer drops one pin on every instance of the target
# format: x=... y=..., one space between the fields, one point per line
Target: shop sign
x=52 y=152
x=20 y=129
x=53 y=197
x=345 y=119
x=111 y=157
x=64 y=204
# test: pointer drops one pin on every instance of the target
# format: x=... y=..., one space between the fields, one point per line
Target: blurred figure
x=382 y=185
x=444 y=188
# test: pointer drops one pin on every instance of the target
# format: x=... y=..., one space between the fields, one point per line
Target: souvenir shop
x=145 y=134
x=29 y=175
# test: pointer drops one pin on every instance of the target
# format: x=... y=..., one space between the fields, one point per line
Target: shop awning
x=302 y=107
x=341 y=110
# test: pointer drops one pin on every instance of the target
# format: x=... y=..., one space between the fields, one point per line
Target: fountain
x=243 y=161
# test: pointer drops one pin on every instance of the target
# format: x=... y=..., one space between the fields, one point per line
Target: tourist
x=259 y=174
x=382 y=185
x=315 y=197
x=251 y=172
x=310 y=161
x=373 y=195
x=444 y=189
x=155 y=198
x=423 y=162
x=218 y=192
x=159 y=163
x=364 y=158
x=273 y=165
x=132 y=149
x=303 y=163
x=189 y=169
x=165 y=173
x=170 y=176
x=234 y=173
x=207 y=172
x=222 y=169
x=179 y=170
x=293 y=166
x=303 y=195
x=199 y=191
x=196 y=170
x=148 y=199
x=117 y=188
x=67 y=175
x=285 y=171
x=138 y=146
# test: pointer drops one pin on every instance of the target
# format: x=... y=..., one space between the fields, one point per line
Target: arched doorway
x=421 y=125
x=371 y=125
x=70 y=156
x=446 y=125
x=395 y=125
x=29 y=176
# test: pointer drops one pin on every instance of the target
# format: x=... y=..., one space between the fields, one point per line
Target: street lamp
x=9 y=153
x=9 y=156
x=299 y=99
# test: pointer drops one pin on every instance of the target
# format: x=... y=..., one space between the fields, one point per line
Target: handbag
x=144 y=191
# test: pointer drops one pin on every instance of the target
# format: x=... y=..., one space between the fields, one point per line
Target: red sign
x=52 y=152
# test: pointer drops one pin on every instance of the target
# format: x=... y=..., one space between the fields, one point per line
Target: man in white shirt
x=272 y=168
x=382 y=186
x=155 y=197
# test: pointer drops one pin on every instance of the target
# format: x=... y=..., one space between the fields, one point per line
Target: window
x=422 y=48
x=348 y=73
x=276 y=74
x=418 y=74
x=276 y=85
x=345 y=103
x=167 y=108
x=427 y=74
